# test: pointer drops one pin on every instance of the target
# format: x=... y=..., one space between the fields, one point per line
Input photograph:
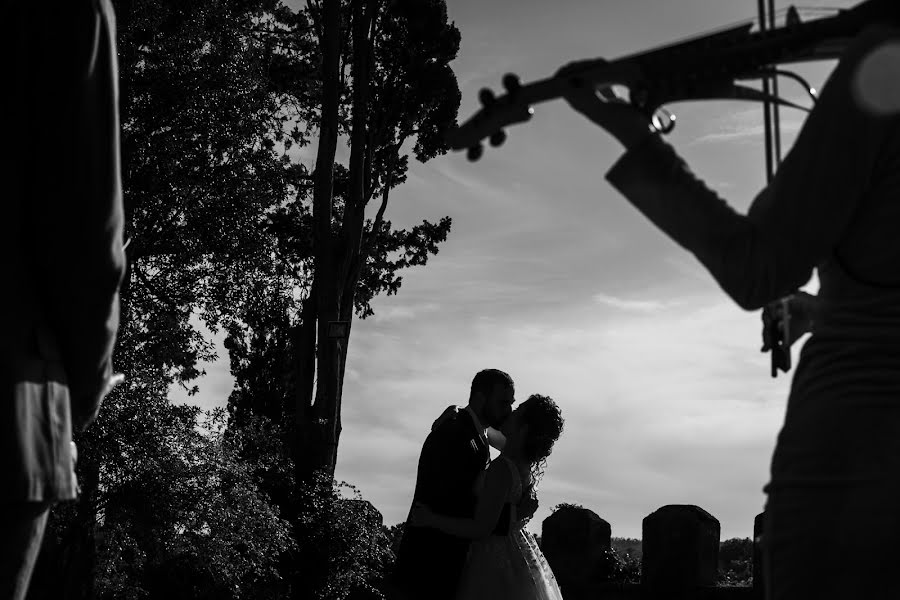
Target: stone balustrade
x=680 y=547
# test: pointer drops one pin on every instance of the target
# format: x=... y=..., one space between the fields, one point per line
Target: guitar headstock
x=488 y=123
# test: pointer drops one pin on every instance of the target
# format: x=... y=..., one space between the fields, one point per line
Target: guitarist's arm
x=771 y=251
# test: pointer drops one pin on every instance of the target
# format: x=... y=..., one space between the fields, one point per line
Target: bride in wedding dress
x=504 y=561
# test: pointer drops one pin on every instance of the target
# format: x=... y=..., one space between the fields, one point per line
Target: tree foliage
x=201 y=120
x=180 y=504
x=358 y=549
x=202 y=125
x=402 y=88
x=736 y=562
x=615 y=566
x=202 y=517
x=219 y=99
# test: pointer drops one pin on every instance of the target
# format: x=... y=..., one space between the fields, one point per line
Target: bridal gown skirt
x=508 y=567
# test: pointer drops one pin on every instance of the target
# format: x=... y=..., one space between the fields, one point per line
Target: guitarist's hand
x=802 y=308
x=603 y=107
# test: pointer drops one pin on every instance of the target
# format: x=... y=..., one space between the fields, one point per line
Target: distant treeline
x=735 y=558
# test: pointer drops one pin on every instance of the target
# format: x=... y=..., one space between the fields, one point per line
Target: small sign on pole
x=338 y=329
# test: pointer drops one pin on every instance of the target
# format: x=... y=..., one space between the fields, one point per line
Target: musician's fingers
x=569 y=73
x=784 y=361
x=609 y=95
x=572 y=73
x=777 y=311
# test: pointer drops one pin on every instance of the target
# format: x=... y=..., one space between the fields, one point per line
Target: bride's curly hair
x=545 y=424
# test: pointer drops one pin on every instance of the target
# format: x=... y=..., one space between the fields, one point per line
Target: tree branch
x=154 y=292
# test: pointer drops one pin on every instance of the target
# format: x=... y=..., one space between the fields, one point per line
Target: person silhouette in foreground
x=455 y=453
x=831 y=518
x=504 y=560
x=61 y=257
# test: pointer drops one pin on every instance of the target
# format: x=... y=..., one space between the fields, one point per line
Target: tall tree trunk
x=348 y=255
x=304 y=344
x=312 y=423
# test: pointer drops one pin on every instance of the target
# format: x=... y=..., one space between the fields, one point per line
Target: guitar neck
x=705 y=67
x=515 y=105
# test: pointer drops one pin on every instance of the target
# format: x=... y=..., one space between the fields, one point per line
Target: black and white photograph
x=450 y=300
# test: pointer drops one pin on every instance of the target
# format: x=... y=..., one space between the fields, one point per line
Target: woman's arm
x=497 y=483
x=795 y=223
x=495 y=438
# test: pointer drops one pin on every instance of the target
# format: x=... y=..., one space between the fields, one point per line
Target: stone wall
x=680 y=555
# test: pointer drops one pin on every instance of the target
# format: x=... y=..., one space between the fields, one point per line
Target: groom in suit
x=429 y=562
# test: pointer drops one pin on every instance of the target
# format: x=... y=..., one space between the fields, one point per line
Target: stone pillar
x=681 y=549
x=758 y=577
x=575 y=542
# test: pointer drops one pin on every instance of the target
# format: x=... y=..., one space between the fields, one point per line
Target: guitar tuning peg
x=497 y=138
x=486 y=97
x=511 y=82
x=663 y=121
x=475 y=152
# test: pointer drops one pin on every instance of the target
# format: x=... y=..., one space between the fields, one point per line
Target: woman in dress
x=834 y=205
x=504 y=561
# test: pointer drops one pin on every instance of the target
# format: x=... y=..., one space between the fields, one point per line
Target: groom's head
x=492 y=396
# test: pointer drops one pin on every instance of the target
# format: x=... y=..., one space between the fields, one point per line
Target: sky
x=549 y=274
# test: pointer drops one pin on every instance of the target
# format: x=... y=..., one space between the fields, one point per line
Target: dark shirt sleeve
x=793 y=224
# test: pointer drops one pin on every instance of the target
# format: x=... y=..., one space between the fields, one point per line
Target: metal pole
x=776 y=110
x=767 y=106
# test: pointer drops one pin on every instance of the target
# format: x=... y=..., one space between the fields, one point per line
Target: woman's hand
x=421 y=515
x=802 y=308
x=527 y=507
x=603 y=107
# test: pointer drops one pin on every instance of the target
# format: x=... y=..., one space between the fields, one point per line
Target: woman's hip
x=832 y=540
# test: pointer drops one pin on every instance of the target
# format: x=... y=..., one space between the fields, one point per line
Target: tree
x=214 y=94
x=177 y=506
x=201 y=115
x=344 y=545
x=736 y=562
x=401 y=87
x=204 y=514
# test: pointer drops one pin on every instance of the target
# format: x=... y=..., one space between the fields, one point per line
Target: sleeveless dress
x=509 y=566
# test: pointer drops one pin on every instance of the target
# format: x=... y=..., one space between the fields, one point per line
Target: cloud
x=661 y=406
x=745 y=126
x=405 y=311
x=630 y=305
